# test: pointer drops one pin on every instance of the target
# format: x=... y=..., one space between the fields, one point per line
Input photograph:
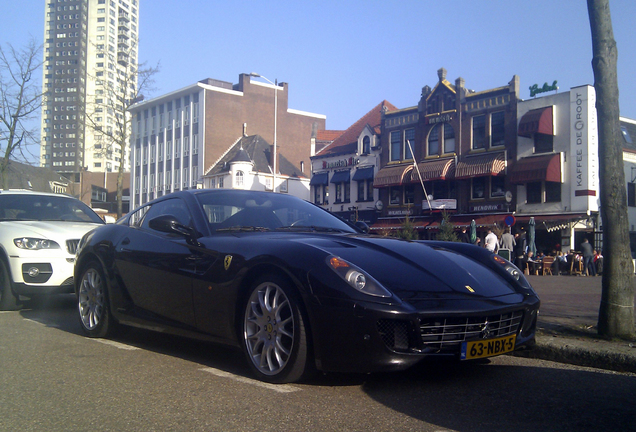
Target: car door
x=157 y=268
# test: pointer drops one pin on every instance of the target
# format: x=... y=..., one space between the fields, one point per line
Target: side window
x=175 y=207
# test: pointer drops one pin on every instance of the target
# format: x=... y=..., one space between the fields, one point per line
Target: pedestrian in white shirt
x=492 y=243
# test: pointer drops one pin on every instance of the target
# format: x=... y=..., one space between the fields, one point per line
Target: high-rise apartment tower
x=90 y=47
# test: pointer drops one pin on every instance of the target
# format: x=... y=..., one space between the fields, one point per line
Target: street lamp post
x=274 y=167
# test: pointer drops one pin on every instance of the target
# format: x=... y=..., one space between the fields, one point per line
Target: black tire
x=274 y=332
x=8 y=299
x=92 y=303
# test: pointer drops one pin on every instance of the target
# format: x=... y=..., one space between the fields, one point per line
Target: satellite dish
x=379 y=205
x=508 y=196
x=430 y=197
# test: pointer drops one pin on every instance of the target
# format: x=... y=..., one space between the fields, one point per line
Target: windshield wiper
x=242 y=229
x=310 y=228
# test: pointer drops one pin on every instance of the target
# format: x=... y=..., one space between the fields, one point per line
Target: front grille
x=71 y=246
x=446 y=334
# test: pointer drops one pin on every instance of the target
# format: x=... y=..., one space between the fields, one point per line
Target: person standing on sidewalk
x=492 y=242
x=588 y=258
x=507 y=240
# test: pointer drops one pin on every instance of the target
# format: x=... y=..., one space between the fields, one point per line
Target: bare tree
x=133 y=82
x=20 y=99
x=616 y=313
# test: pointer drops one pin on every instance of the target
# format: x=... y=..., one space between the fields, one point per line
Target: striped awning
x=392 y=176
x=487 y=164
x=536 y=169
x=439 y=169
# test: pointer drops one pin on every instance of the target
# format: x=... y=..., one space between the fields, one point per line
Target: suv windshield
x=27 y=207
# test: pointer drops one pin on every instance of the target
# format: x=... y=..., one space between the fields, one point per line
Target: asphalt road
x=54 y=379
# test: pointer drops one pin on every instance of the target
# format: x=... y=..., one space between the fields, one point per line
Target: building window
x=552 y=192
x=543 y=143
x=479 y=132
x=409 y=194
x=533 y=193
x=409 y=142
x=478 y=188
x=239 y=179
x=497 y=129
x=369 y=190
x=396 y=144
x=318 y=194
x=361 y=190
x=631 y=194
x=441 y=136
x=497 y=187
x=366 y=145
x=395 y=193
x=433 y=141
x=449 y=138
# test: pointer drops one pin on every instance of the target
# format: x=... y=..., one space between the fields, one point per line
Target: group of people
x=591 y=261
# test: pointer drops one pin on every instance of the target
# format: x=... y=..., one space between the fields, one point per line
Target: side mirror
x=109 y=219
x=362 y=226
x=169 y=224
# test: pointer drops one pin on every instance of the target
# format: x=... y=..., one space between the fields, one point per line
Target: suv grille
x=448 y=333
x=71 y=246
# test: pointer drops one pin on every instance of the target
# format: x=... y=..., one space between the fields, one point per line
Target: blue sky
x=341 y=58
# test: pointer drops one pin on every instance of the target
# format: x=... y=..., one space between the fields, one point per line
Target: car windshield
x=27 y=207
x=249 y=211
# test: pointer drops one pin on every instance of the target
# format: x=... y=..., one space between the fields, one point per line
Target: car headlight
x=513 y=271
x=32 y=243
x=356 y=277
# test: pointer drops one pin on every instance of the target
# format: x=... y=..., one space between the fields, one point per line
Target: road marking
x=41 y=322
x=115 y=344
x=281 y=388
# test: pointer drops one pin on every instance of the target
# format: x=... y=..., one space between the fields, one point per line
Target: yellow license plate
x=487 y=347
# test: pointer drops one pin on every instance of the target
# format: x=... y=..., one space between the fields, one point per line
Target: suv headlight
x=356 y=277
x=32 y=243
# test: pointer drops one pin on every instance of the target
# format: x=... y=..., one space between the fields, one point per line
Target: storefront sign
x=340 y=163
x=400 y=212
x=584 y=149
x=486 y=208
x=440 y=204
x=535 y=89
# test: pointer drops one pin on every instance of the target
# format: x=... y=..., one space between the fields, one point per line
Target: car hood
x=415 y=270
x=48 y=229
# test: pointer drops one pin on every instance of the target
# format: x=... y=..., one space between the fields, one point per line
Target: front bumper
x=369 y=337
x=42 y=274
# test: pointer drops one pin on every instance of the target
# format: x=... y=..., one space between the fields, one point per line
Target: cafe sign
x=340 y=163
x=440 y=204
x=535 y=89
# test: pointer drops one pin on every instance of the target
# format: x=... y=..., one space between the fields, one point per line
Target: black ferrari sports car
x=297 y=288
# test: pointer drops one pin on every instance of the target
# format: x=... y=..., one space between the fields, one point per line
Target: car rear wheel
x=92 y=303
x=8 y=300
x=274 y=332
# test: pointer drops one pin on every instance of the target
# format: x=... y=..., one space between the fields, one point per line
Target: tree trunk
x=616 y=313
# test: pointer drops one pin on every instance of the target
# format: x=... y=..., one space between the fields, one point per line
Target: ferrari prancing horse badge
x=227 y=261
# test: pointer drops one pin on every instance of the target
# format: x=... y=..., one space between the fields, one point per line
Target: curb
x=614 y=356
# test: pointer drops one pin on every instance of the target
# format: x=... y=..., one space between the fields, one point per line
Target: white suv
x=39 y=233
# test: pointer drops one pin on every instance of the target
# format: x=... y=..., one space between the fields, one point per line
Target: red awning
x=439 y=169
x=392 y=176
x=537 y=121
x=487 y=164
x=537 y=168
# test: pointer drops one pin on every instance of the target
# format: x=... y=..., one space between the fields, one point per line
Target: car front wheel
x=274 y=332
x=92 y=303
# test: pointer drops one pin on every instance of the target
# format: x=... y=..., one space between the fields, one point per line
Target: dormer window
x=366 y=145
x=239 y=178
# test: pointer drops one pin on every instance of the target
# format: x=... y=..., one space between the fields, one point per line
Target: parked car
x=39 y=233
x=296 y=288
